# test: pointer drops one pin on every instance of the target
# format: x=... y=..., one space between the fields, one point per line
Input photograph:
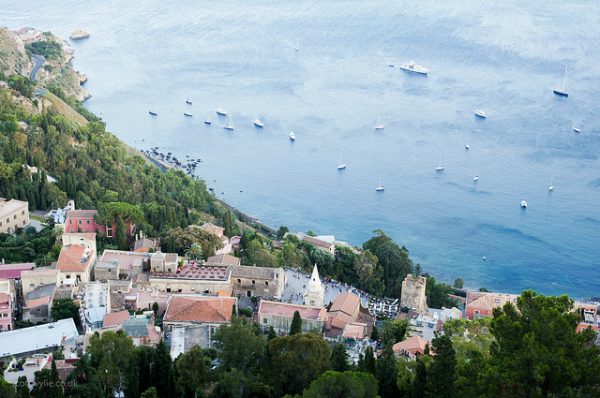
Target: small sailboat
x=297 y=48
x=439 y=168
x=380 y=187
x=188 y=101
x=153 y=113
x=551 y=186
x=229 y=125
x=207 y=121
x=523 y=204
x=292 y=136
x=188 y=114
x=563 y=91
x=476 y=178
x=341 y=165
x=480 y=113
x=221 y=112
x=379 y=125
x=258 y=123
x=467 y=147
x=576 y=130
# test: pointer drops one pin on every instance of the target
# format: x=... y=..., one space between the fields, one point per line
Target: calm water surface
x=505 y=58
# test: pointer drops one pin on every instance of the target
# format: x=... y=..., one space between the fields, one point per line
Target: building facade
x=413 y=293
x=280 y=315
x=257 y=281
x=13 y=214
x=315 y=292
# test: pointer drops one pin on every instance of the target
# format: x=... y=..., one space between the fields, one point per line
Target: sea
x=322 y=69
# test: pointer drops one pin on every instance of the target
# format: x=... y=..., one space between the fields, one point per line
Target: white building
x=13 y=214
x=315 y=291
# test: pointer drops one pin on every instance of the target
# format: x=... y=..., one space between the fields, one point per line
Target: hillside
x=13 y=57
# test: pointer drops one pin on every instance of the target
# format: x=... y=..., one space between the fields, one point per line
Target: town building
x=193 y=277
x=223 y=259
x=126 y=264
x=164 y=262
x=257 y=281
x=13 y=214
x=413 y=293
x=347 y=318
x=412 y=347
x=140 y=328
x=75 y=262
x=40 y=339
x=315 y=292
x=320 y=243
x=40 y=276
x=482 y=304
x=279 y=316
x=193 y=319
x=219 y=233
x=6 y=312
x=95 y=304
x=27 y=368
x=38 y=304
x=143 y=244
x=86 y=221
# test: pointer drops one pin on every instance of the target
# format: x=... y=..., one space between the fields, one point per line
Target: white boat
x=341 y=165
x=523 y=204
x=207 y=121
x=292 y=136
x=391 y=65
x=563 y=91
x=476 y=178
x=379 y=125
x=439 y=168
x=551 y=187
x=380 y=187
x=221 y=112
x=576 y=130
x=480 y=113
x=188 y=101
x=414 y=68
x=153 y=113
x=229 y=125
x=297 y=48
x=259 y=123
x=467 y=147
x=188 y=114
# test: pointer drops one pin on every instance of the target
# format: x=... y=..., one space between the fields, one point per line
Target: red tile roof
x=317 y=242
x=412 y=345
x=81 y=213
x=200 y=309
x=115 y=318
x=346 y=303
x=73 y=258
x=287 y=310
x=223 y=259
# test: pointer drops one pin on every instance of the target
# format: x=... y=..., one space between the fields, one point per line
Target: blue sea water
x=504 y=57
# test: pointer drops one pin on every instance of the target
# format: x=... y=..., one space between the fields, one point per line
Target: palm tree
x=194 y=252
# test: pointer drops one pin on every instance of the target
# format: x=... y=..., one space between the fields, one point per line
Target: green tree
x=370 y=364
x=271 y=334
x=282 y=231
x=296 y=326
x=375 y=334
x=537 y=351
x=458 y=283
x=120 y=234
x=238 y=346
x=393 y=331
x=420 y=383
x=83 y=382
x=192 y=372
x=162 y=371
x=22 y=388
x=150 y=393
x=65 y=309
x=441 y=372
x=297 y=360
x=194 y=252
x=339 y=358
x=347 y=384
x=155 y=308
x=386 y=373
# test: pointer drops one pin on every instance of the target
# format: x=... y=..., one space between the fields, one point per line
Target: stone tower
x=314 y=292
x=413 y=293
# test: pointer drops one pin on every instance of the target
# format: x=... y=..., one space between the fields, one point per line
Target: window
x=23 y=222
x=254 y=282
x=264 y=320
x=22 y=212
x=0 y=223
x=266 y=283
x=239 y=281
x=88 y=222
x=79 y=221
x=15 y=217
x=168 y=290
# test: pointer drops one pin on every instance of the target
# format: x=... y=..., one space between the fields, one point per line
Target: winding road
x=39 y=61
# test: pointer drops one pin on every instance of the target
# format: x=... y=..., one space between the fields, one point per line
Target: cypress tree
x=162 y=371
x=387 y=373
x=339 y=358
x=22 y=387
x=440 y=382
x=420 y=381
x=369 y=360
x=296 y=326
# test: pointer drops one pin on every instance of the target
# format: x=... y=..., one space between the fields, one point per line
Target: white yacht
x=576 y=130
x=379 y=125
x=292 y=136
x=467 y=147
x=476 y=178
x=380 y=188
x=480 y=113
x=551 y=186
x=439 y=168
x=258 y=123
x=188 y=114
x=221 y=112
x=523 y=204
x=341 y=165
x=207 y=121
x=188 y=101
x=414 y=68
x=563 y=91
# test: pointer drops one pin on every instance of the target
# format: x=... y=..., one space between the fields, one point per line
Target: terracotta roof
x=145 y=244
x=582 y=326
x=82 y=213
x=212 y=228
x=346 y=303
x=200 y=309
x=317 y=242
x=354 y=331
x=14 y=271
x=73 y=258
x=287 y=310
x=82 y=235
x=489 y=301
x=38 y=301
x=412 y=345
x=115 y=318
x=223 y=259
x=244 y=271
